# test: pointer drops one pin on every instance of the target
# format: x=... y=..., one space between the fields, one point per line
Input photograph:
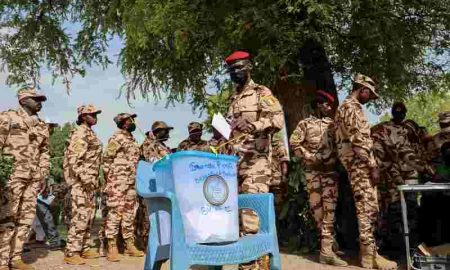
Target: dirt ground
x=42 y=259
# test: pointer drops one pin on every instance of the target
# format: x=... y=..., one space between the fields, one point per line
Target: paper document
x=221 y=125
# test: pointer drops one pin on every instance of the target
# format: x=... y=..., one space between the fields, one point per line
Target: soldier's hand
x=243 y=125
x=374 y=176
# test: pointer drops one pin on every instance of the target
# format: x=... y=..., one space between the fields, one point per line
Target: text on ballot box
x=205 y=185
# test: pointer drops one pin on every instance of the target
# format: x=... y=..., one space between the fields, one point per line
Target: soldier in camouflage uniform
x=441 y=137
x=153 y=149
x=120 y=161
x=354 y=146
x=313 y=141
x=255 y=114
x=194 y=142
x=279 y=167
x=23 y=139
x=399 y=163
x=82 y=160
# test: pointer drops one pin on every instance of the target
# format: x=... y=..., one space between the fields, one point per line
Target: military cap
x=30 y=92
x=194 y=126
x=366 y=81
x=160 y=125
x=123 y=116
x=88 y=109
x=444 y=117
x=236 y=56
x=326 y=95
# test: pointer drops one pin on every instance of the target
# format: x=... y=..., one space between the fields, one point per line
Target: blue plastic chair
x=182 y=255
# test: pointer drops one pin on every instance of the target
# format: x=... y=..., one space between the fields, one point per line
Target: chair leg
x=275 y=262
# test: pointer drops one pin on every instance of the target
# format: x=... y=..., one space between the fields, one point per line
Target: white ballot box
x=205 y=186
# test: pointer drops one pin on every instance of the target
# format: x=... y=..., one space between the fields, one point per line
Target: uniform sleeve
x=183 y=146
x=271 y=117
x=297 y=139
x=5 y=123
x=111 y=151
x=76 y=152
x=44 y=158
x=280 y=151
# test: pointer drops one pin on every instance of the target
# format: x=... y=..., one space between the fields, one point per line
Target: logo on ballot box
x=215 y=190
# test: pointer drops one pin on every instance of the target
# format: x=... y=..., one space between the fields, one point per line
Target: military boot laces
x=19 y=264
x=90 y=254
x=112 y=254
x=131 y=250
x=74 y=259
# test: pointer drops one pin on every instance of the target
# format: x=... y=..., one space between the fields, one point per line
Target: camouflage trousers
x=322 y=189
x=15 y=223
x=66 y=211
x=142 y=224
x=254 y=176
x=365 y=196
x=101 y=232
x=121 y=203
x=83 y=209
x=277 y=187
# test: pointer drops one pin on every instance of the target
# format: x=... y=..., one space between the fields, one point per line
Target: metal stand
x=415 y=189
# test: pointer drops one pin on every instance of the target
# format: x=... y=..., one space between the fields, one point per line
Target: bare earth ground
x=42 y=259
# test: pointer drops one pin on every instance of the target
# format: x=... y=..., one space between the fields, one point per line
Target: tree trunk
x=296 y=98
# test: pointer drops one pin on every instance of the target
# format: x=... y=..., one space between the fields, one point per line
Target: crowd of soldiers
x=394 y=149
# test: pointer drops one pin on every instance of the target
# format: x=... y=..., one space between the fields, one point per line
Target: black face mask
x=163 y=135
x=239 y=77
x=398 y=116
x=132 y=127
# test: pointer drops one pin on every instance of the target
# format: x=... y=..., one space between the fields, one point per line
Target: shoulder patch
x=78 y=146
x=112 y=148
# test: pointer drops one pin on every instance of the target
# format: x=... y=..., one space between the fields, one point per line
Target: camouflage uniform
x=24 y=139
x=82 y=160
x=441 y=137
x=221 y=146
x=120 y=160
x=277 y=186
x=313 y=140
x=152 y=150
x=256 y=104
x=188 y=144
x=353 y=130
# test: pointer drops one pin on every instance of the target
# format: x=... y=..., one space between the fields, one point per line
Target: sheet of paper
x=219 y=123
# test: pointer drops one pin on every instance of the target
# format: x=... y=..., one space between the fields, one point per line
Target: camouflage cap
x=195 y=126
x=366 y=81
x=123 y=116
x=444 y=117
x=87 y=109
x=30 y=92
x=160 y=125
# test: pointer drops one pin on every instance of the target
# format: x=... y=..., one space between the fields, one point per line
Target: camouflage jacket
x=190 y=145
x=439 y=139
x=221 y=145
x=256 y=104
x=82 y=157
x=154 y=150
x=279 y=151
x=392 y=147
x=25 y=139
x=353 y=130
x=120 y=158
x=313 y=141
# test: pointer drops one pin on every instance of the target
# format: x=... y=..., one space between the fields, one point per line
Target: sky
x=101 y=88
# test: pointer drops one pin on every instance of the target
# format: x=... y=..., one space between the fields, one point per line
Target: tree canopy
x=174 y=46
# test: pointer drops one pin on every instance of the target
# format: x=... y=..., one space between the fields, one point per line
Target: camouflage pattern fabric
x=353 y=130
x=120 y=160
x=256 y=104
x=221 y=145
x=191 y=145
x=81 y=164
x=313 y=141
x=277 y=185
x=23 y=139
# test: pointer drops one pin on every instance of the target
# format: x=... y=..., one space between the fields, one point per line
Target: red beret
x=238 y=55
x=326 y=95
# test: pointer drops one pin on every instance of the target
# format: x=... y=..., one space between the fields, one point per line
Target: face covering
x=398 y=116
x=239 y=77
x=132 y=127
